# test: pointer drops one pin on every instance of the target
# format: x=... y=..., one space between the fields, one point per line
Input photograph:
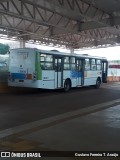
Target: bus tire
x=98 y=83
x=67 y=85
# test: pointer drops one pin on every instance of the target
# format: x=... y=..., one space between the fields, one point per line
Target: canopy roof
x=66 y=23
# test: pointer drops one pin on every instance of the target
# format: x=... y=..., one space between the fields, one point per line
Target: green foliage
x=4 y=48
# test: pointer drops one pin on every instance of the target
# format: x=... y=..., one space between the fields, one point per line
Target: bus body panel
x=33 y=84
x=48 y=79
x=48 y=75
x=90 y=77
x=79 y=78
x=26 y=83
x=22 y=67
x=66 y=74
x=76 y=77
x=46 y=84
x=74 y=82
x=25 y=70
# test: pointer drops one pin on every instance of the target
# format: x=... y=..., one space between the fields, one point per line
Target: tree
x=4 y=48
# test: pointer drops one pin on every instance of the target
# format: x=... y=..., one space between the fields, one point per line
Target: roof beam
x=56 y=8
x=80 y=10
x=60 y=26
x=58 y=17
x=83 y=26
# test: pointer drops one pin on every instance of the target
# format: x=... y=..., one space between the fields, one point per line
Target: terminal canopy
x=63 y=23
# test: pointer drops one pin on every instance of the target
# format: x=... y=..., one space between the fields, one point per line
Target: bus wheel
x=98 y=83
x=67 y=85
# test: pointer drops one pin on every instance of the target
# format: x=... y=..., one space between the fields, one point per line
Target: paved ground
x=23 y=106
x=3 y=76
x=98 y=131
x=82 y=130
x=83 y=119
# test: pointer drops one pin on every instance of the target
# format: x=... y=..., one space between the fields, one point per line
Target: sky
x=111 y=53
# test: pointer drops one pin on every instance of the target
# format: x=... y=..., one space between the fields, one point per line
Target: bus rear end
x=22 y=70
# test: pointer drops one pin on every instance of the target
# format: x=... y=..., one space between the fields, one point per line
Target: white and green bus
x=44 y=69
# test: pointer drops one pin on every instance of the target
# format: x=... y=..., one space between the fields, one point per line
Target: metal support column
x=72 y=51
x=22 y=43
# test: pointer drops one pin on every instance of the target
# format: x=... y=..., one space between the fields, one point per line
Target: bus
x=34 y=68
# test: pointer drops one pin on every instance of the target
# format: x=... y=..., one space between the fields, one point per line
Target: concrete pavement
x=90 y=125
x=83 y=130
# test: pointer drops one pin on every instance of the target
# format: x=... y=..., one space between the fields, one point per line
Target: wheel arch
x=68 y=79
x=99 y=78
x=67 y=84
x=98 y=82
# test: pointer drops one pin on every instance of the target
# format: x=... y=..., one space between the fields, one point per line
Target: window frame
x=98 y=64
x=66 y=63
x=93 y=64
x=89 y=64
x=46 y=62
x=73 y=63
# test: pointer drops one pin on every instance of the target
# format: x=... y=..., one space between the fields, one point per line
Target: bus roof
x=55 y=52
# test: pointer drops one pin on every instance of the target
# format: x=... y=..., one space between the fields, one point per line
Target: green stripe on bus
x=37 y=66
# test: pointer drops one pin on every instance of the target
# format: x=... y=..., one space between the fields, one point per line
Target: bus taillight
x=29 y=76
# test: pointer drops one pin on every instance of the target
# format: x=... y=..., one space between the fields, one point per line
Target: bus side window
x=46 y=62
x=93 y=64
x=73 y=67
x=48 y=66
x=42 y=65
x=87 y=64
x=98 y=62
x=66 y=63
x=72 y=63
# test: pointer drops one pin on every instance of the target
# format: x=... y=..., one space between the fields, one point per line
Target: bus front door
x=104 y=71
x=58 y=72
x=80 y=72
